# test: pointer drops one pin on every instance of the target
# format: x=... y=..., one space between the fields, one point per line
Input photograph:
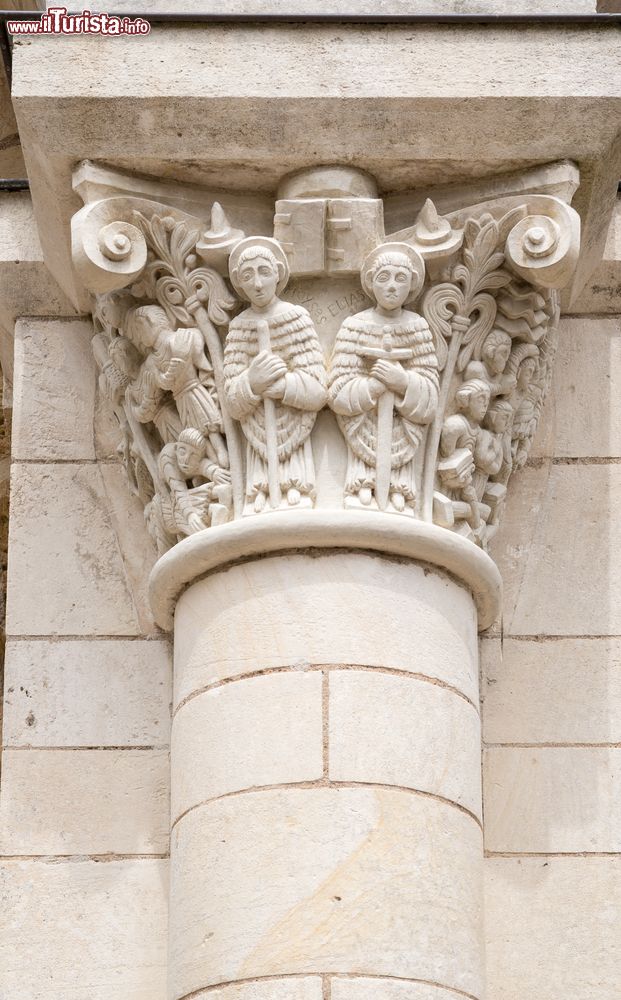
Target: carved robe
x=191 y=381
x=294 y=339
x=356 y=407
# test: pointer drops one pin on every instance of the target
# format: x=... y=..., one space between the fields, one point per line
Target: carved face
x=526 y=372
x=497 y=357
x=391 y=285
x=258 y=279
x=498 y=420
x=477 y=404
x=188 y=458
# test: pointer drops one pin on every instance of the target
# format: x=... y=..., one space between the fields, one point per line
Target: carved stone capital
x=323 y=363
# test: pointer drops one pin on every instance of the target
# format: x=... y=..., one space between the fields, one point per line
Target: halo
x=268 y=244
x=416 y=261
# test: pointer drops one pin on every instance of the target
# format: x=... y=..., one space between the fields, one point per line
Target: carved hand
x=174 y=367
x=264 y=370
x=376 y=388
x=195 y=523
x=221 y=477
x=392 y=375
x=276 y=390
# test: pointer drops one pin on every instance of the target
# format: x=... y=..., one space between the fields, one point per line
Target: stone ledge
x=386 y=534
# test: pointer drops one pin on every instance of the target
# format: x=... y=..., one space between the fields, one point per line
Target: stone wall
x=551 y=690
x=87 y=691
x=84 y=809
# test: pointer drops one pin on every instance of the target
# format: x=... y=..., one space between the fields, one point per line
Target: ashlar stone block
x=553 y=799
x=561 y=577
x=54 y=390
x=295 y=611
x=354 y=880
x=552 y=928
x=84 y=929
x=97 y=693
x=400 y=731
x=361 y=988
x=67 y=576
x=84 y=802
x=289 y=988
x=551 y=691
x=257 y=731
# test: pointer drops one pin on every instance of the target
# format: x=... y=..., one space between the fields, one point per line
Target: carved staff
x=271 y=427
x=385 y=414
x=459 y=326
x=214 y=346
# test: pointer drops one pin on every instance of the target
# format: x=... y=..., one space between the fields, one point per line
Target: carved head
x=523 y=364
x=190 y=451
x=391 y=280
x=473 y=398
x=498 y=416
x=393 y=274
x=496 y=350
x=258 y=270
x=144 y=326
x=111 y=309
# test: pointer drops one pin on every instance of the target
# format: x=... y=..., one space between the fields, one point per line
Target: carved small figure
x=275 y=378
x=497 y=422
x=524 y=365
x=176 y=362
x=463 y=449
x=495 y=354
x=384 y=382
x=194 y=492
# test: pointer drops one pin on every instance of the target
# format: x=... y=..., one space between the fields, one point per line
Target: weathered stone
x=257 y=731
x=552 y=928
x=94 y=693
x=291 y=611
x=553 y=532
x=84 y=802
x=84 y=929
x=55 y=391
x=555 y=691
x=290 y=988
x=135 y=545
x=552 y=799
x=401 y=731
x=308 y=880
x=362 y=988
x=67 y=576
x=584 y=386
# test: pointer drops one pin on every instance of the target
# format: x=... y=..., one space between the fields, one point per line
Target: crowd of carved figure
x=179 y=406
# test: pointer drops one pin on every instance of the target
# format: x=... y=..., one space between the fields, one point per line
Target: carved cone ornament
x=218 y=364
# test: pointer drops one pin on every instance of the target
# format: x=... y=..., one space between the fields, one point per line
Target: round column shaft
x=326 y=802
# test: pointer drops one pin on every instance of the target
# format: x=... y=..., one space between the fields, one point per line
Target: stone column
x=325 y=754
x=323 y=462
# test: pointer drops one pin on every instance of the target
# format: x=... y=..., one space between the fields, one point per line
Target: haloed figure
x=384 y=382
x=275 y=379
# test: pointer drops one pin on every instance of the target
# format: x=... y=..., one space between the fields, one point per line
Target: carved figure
x=175 y=362
x=495 y=354
x=275 y=378
x=524 y=364
x=178 y=509
x=497 y=421
x=384 y=382
x=464 y=449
